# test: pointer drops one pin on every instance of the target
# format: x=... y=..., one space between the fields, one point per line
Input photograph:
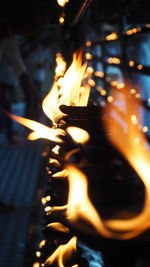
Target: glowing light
x=137 y=95
x=133 y=31
x=42 y=243
x=101 y=90
x=88 y=56
x=145 y=129
x=47 y=209
x=134 y=119
x=99 y=74
x=56 y=149
x=131 y=63
x=61 y=20
x=91 y=82
x=132 y=91
x=113 y=60
x=48 y=198
x=62 y=3
x=140 y=67
x=36 y=264
x=38 y=254
x=43 y=200
x=90 y=70
x=78 y=135
x=110 y=99
x=112 y=36
x=62 y=253
x=88 y=43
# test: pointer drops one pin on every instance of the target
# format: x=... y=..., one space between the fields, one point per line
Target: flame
x=39 y=130
x=78 y=135
x=59 y=227
x=133 y=145
x=69 y=93
x=79 y=205
x=62 y=253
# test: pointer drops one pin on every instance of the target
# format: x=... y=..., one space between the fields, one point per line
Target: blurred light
x=132 y=91
x=43 y=200
x=112 y=36
x=139 y=66
x=134 y=119
x=90 y=70
x=36 y=264
x=110 y=99
x=88 y=43
x=61 y=20
x=99 y=74
x=91 y=82
x=131 y=63
x=38 y=254
x=145 y=129
x=88 y=56
x=48 y=198
x=137 y=95
x=47 y=209
x=113 y=60
x=42 y=243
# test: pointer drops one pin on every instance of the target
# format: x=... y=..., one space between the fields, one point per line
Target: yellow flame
x=70 y=93
x=40 y=130
x=59 y=227
x=79 y=205
x=134 y=147
x=78 y=135
x=56 y=149
x=62 y=253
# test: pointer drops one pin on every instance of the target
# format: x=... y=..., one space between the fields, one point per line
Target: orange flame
x=79 y=205
x=69 y=93
x=133 y=145
x=39 y=130
x=63 y=253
